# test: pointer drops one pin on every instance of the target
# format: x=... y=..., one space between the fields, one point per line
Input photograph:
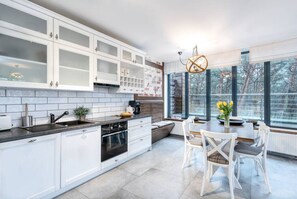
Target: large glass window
x=250 y=89
x=197 y=95
x=284 y=93
x=221 y=88
x=177 y=95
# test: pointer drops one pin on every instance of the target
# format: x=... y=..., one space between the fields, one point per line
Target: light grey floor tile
x=72 y=194
x=106 y=185
x=123 y=194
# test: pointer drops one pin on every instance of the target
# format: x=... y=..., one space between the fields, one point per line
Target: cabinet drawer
x=139 y=144
x=132 y=123
x=139 y=131
x=113 y=161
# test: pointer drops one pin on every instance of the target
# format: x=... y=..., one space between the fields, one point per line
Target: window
x=221 y=88
x=197 y=95
x=284 y=93
x=177 y=95
x=250 y=89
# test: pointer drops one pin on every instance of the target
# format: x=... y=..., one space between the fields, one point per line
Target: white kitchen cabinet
x=133 y=57
x=106 y=48
x=30 y=168
x=24 y=19
x=80 y=154
x=139 y=135
x=25 y=60
x=106 y=71
x=72 y=36
x=73 y=68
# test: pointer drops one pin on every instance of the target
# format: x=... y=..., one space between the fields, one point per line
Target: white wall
x=102 y=101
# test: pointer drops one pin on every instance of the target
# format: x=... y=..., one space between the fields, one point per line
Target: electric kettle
x=130 y=109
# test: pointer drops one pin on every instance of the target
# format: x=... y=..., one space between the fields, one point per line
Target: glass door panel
x=139 y=59
x=106 y=48
x=13 y=15
x=74 y=68
x=24 y=58
x=127 y=55
x=107 y=71
x=72 y=36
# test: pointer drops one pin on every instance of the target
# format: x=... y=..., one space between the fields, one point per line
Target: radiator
x=283 y=143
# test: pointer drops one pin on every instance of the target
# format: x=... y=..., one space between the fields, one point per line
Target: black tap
x=52 y=117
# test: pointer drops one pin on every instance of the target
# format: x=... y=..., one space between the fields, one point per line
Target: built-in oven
x=114 y=140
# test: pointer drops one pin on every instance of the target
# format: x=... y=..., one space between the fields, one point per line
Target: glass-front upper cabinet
x=106 y=48
x=73 y=68
x=107 y=71
x=73 y=36
x=25 y=60
x=132 y=57
x=23 y=19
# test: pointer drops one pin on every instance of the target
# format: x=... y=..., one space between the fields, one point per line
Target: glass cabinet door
x=127 y=55
x=107 y=71
x=72 y=36
x=26 y=20
x=106 y=48
x=72 y=68
x=25 y=61
x=139 y=59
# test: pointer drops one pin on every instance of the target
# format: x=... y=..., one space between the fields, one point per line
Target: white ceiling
x=162 y=27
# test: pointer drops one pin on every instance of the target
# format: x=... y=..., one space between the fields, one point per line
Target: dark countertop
x=18 y=133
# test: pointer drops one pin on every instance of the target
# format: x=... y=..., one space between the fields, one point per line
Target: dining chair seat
x=195 y=142
x=218 y=158
x=247 y=149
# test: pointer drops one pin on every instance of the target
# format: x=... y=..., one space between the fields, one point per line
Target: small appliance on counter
x=136 y=105
x=27 y=120
x=5 y=122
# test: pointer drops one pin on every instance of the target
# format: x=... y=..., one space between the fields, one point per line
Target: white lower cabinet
x=80 y=154
x=30 y=168
x=139 y=135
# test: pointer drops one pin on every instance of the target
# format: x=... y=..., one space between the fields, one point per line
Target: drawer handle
x=141 y=126
x=141 y=139
x=57 y=37
x=84 y=130
x=51 y=35
x=115 y=160
x=141 y=121
x=33 y=140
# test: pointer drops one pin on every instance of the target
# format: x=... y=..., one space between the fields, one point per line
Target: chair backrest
x=186 y=123
x=264 y=132
x=217 y=142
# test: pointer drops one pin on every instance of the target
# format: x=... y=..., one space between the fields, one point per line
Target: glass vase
x=227 y=121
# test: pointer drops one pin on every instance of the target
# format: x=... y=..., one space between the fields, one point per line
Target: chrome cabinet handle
x=96 y=78
x=33 y=140
x=51 y=83
x=115 y=160
x=51 y=35
x=57 y=84
x=57 y=37
x=84 y=130
x=141 y=139
x=96 y=49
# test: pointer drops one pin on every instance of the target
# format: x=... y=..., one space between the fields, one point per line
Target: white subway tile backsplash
x=10 y=100
x=76 y=100
x=20 y=93
x=57 y=100
x=32 y=100
x=102 y=102
x=42 y=107
x=45 y=93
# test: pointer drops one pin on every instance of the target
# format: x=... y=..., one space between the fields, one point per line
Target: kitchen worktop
x=18 y=133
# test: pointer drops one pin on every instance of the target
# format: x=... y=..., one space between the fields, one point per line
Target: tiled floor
x=157 y=174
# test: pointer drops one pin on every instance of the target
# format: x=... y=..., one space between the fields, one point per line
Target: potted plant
x=225 y=110
x=81 y=112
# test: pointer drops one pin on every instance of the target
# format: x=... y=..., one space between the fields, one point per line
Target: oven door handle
x=103 y=136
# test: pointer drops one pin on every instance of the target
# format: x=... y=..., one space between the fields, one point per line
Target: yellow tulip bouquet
x=225 y=110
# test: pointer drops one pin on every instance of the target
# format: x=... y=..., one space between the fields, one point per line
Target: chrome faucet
x=52 y=117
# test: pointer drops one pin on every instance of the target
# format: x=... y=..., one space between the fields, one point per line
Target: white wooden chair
x=257 y=152
x=219 y=152
x=191 y=142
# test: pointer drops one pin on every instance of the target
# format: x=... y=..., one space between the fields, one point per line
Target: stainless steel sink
x=73 y=123
x=43 y=127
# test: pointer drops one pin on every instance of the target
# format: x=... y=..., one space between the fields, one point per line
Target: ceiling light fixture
x=195 y=64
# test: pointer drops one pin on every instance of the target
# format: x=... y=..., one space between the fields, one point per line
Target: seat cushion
x=216 y=157
x=195 y=141
x=246 y=149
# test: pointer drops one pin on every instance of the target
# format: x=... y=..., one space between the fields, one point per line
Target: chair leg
x=205 y=173
x=265 y=174
x=185 y=156
x=231 y=180
x=210 y=171
x=256 y=166
x=238 y=167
